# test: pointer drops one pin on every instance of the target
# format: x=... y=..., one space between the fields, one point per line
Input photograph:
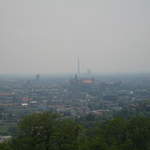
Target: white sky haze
x=47 y=36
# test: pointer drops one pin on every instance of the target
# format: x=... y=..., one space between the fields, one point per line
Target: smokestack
x=78 y=67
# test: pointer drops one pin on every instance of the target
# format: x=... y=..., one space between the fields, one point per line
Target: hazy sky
x=47 y=36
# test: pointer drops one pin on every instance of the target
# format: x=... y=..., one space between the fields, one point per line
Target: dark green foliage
x=121 y=134
x=66 y=135
x=47 y=131
x=139 y=132
x=36 y=131
x=5 y=146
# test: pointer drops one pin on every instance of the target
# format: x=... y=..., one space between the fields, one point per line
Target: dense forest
x=50 y=131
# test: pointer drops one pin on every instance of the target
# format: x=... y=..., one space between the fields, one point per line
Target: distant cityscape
x=74 y=96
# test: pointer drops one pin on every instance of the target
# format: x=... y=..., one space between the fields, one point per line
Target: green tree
x=35 y=131
x=47 y=131
x=66 y=135
x=139 y=133
x=5 y=146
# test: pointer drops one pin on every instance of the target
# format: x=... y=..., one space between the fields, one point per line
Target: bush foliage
x=48 y=131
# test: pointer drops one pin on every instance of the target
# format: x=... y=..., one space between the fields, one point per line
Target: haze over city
x=47 y=36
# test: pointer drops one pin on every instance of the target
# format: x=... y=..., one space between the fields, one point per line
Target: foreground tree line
x=49 y=131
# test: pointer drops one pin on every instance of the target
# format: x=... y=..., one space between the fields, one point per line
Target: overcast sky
x=47 y=36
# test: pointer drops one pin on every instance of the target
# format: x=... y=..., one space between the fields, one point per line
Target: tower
x=78 y=67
